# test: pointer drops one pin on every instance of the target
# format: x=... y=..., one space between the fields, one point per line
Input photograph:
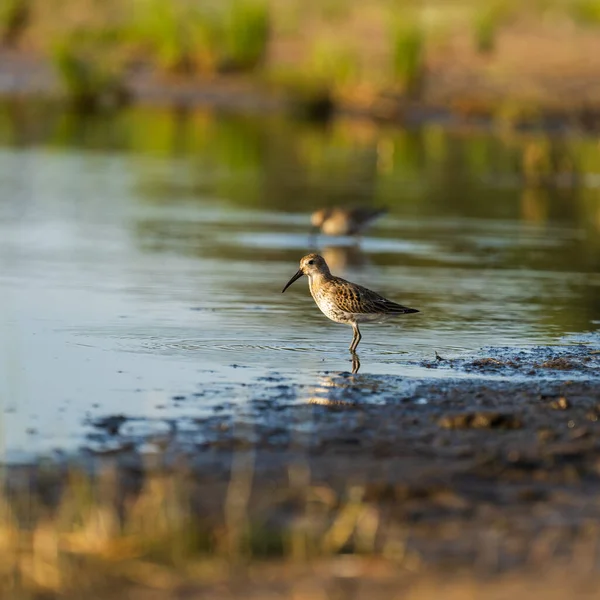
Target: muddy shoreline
x=492 y=474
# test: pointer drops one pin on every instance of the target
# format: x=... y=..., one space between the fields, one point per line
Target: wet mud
x=499 y=470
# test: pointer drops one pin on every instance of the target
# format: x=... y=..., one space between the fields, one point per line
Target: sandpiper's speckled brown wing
x=353 y=298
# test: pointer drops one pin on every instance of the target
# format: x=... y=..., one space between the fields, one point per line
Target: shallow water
x=143 y=256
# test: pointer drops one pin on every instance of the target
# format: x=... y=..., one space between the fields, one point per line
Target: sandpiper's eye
x=311 y=262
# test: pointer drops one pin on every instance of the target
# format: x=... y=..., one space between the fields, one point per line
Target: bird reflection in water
x=332 y=390
x=340 y=220
x=344 y=258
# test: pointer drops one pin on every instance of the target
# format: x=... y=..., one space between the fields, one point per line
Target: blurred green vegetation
x=89 y=83
x=188 y=38
x=586 y=12
x=487 y=21
x=313 y=48
x=246 y=34
x=14 y=15
x=177 y=37
x=408 y=54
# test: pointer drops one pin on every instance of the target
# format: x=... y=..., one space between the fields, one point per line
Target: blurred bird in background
x=345 y=221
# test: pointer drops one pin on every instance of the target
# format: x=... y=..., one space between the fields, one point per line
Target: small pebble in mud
x=579 y=433
x=546 y=435
x=177 y=398
x=149 y=448
x=480 y=420
x=531 y=495
x=482 y=363
x=111 y=424
x=561 y=364
x=560 y=404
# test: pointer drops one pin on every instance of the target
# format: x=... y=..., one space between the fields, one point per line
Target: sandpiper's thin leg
x=355 y=363
x=355 y=338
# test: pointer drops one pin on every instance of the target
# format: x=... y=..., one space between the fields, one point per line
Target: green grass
x=326 y=45
x=332 y=63
x=335 y=11
x=14 y=16
x=408 y=54
x=585 y=12
x=247 y=28
x=89 y=83
x=487 y=21
x=180 y=37
x=193 y=38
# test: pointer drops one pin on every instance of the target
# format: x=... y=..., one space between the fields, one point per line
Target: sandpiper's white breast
x=324 y=299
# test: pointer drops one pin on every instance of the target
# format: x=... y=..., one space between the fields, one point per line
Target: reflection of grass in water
x=278 y=164
x=238 y=151
x=510 y=114
x=102 y=131
x=162 y=133
x=336 y=165
x=409 y=153
x=229 y=153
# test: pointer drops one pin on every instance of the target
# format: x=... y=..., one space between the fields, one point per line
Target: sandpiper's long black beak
x=296 y=276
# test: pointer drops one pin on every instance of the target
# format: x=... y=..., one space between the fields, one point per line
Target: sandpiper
x=343 y=301
x=345 y=221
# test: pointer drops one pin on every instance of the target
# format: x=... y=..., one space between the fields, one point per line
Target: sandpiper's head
x=320 y=216
x=311 y=264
